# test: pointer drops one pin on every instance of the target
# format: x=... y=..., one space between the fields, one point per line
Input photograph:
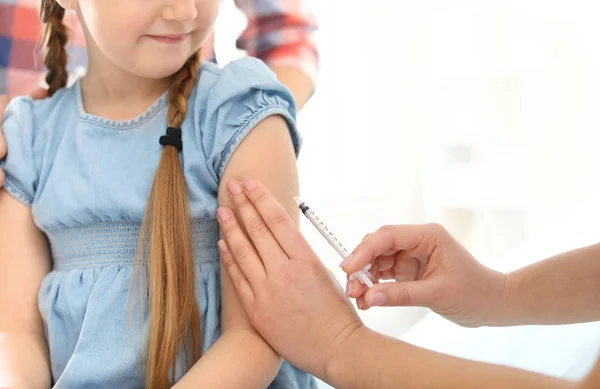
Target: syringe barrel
x=337 y=246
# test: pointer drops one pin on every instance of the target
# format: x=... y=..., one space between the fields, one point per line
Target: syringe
x=362 y=275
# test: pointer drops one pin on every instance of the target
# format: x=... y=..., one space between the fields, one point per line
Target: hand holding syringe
x=363 y=275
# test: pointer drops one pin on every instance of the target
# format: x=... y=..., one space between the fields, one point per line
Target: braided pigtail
x=166 y=246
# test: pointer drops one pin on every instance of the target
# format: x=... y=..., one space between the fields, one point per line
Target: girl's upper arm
x=24 y=261
x=267 y=155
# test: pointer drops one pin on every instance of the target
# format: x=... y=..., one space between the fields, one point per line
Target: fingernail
x=346 y=261
x=234 y=187
x=249 y=185
x=223 y=246
x=377 y=300
x=349 y=288
x=223 y=214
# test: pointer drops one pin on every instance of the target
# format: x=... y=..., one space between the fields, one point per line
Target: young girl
x=117 y=180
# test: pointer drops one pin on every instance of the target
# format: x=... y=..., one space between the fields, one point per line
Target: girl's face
x=149 y=38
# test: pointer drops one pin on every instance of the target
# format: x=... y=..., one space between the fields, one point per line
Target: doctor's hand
x=292 y=300
x=429 y=268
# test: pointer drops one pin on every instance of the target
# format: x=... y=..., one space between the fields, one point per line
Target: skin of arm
x=372 y=361
x=562 y=289
x=301 y=86
x=592 y=381
x=24 y=261
x=266 y=154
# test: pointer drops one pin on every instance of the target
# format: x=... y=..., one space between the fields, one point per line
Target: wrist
x=341 y=367
x=485 y=299
x=502 y=303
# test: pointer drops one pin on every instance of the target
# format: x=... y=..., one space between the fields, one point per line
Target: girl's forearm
x=239 y=359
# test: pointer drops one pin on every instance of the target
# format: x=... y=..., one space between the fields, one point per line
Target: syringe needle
x=298 y=201
x=291 y=192
x=362 y=275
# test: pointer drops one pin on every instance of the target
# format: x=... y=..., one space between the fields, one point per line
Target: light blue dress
x=87 y=181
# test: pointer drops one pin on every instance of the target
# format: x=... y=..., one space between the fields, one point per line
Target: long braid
x=166 y=245
x=181 y=89
x=55 y=38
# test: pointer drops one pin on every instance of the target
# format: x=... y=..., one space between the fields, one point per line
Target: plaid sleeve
x=21 y=62
x=280 y=32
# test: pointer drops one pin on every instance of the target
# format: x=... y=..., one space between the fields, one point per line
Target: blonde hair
x=165 y=240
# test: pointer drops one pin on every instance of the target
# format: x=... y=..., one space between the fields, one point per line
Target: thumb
x=396 y=294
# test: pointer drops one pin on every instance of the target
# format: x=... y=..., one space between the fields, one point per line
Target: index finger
x=243 y=251
x=385 y=241
x=278 y=220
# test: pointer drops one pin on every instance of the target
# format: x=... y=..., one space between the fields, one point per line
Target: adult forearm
x=370 y=360
x=239 y=359
x=24 y=361
x=559 y=290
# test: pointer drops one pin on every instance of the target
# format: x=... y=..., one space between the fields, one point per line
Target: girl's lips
x=169 y=38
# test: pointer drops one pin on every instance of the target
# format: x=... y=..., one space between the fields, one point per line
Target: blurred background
x=481 y=115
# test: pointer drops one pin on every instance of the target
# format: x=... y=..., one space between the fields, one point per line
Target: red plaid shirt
x=280 y=32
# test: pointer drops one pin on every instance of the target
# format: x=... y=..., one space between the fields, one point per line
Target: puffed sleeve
x=246 y=93
x=19 y=164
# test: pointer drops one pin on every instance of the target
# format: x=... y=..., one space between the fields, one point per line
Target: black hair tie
x=173 y=138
